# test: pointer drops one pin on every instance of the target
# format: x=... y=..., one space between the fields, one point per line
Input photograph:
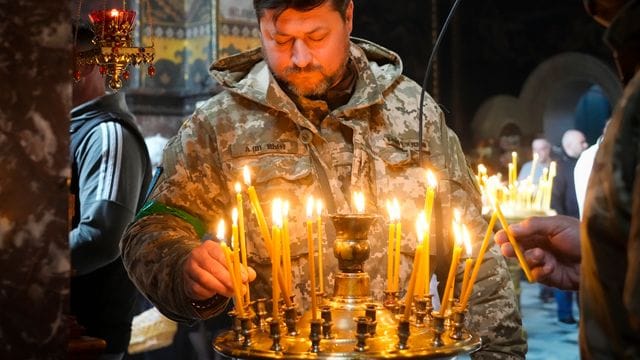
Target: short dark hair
x=300 y=5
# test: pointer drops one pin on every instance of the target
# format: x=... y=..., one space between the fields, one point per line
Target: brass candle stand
x=350 y=325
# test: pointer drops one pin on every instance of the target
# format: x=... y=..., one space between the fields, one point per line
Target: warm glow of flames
x=276 y=212
x=234 y=216
x=319 y=207
x=220 y=231
x=466 y=238
x=432 y=181
x=310 y=203
x=421 y=226
x=247 y=175
x=358 y=202
x=114 y=13
x=285 y=208
x=237 y=187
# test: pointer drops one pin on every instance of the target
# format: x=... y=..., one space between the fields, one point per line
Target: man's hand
x=551 y=246
x=205 y=273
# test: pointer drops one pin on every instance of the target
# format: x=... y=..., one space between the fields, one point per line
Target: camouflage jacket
x=610 y=267
x=254 y=123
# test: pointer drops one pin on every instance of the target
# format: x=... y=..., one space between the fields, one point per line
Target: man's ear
x=348 y=16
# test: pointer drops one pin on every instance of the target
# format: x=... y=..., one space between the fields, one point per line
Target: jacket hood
x=248 y=75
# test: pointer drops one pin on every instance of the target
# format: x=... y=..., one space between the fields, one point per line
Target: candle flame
x=396 y=209
x=466 y=238
x=358 y=202
x=319 y=206
x=390 y=211
x=285 y=208
x=247 y=175
x=514 y=155
x=234 y=216
x=310 y=203
x=114 y=12
x=220 y=231
x=276 y=212
x=432 y=181
x=237 y=187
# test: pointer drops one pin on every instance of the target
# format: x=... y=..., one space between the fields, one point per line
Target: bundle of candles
x=411 y=313
x=522 y=198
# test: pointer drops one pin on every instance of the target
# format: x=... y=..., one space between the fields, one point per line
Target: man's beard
x=319 y=89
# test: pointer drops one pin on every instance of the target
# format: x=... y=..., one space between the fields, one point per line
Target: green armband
x=153 y=207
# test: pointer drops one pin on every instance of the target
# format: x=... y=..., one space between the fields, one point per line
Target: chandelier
x=114 y=50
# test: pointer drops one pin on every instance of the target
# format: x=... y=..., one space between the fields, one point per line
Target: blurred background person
x=110 y=174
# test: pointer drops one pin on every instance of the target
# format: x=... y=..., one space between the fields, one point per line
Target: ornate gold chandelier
x=114 y=51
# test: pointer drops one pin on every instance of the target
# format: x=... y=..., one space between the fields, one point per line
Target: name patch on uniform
x=279 y=147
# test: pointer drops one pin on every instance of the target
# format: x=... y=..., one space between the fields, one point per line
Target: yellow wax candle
x=432 y=183
x=390 y=248
x=264 y=228
x=426 y=243
x=420 y=225
x=476 y=268
x=312 y=265
x=408 y=300
x=512 y=240
x=237 y=297
x=467 y=263
x=511 y=175
x=451 y=278
x=320 y=246
x=396 y=256
x=275 y=255
x=286 y=246
x=243 y=240
x=235 y=246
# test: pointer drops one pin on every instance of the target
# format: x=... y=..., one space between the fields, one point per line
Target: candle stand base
x=352 y=324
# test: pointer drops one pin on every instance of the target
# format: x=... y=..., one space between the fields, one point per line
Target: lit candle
x=390 y=249
x=319 y=206
x=396 y=257
x=432 y=183
x=466 y=238
x=476 y=268
x=426 y=243
x=514 y=161
x=286 y=246
x=235 y=246
x=448 y=289
x=276 y=214
x=243 y=241
x=512 y=240
x=511 y=175
x=408 y=299
x=227 y=255
x=358 y=202
x=421 y=223
x=312 y=265
x=255 y=203
x=264 y=228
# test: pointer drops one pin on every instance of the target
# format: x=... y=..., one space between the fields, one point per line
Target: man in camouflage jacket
x=353 y=129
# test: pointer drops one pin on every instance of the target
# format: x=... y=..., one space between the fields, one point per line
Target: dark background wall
x=490 y=48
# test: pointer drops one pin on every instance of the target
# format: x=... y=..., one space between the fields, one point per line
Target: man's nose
x=301 y=55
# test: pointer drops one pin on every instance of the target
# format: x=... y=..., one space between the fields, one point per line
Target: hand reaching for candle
x=551 y=247
x=205 y=273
